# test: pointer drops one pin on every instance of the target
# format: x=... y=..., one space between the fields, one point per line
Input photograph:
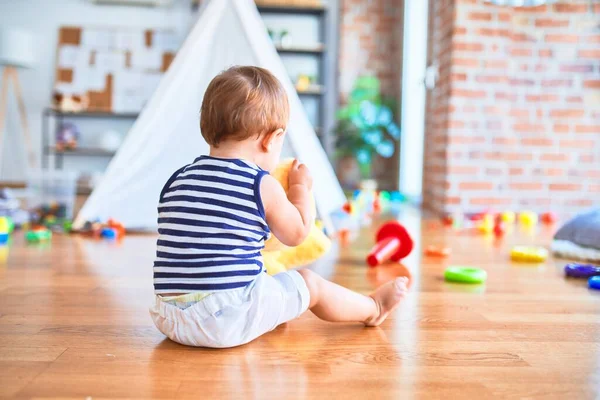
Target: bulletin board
x=112 y=69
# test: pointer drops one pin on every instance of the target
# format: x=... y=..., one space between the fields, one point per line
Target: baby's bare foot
x=387 y=297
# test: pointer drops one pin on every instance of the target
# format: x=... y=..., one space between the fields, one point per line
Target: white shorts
x=234 y=317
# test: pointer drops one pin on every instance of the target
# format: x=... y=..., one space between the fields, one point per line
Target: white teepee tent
x=167 y=136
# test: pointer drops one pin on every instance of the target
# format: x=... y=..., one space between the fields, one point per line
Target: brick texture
x=513 y=122
x=371 y=44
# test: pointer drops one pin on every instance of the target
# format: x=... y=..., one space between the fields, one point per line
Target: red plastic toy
x=548 y=218
x=393 y=243
x=347 y=207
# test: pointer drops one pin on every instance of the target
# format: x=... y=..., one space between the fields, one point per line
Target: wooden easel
x=9 y=73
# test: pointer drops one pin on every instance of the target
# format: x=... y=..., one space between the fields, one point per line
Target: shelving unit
x=326 y=50
x=52 y=119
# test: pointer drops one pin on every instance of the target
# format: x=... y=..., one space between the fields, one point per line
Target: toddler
x=215 y=215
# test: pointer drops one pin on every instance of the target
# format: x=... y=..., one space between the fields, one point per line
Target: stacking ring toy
x=594 y=283
x=529 y=254
x=465 y=275
x=576 y=270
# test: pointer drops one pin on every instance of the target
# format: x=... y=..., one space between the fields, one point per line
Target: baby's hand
x=300 y=175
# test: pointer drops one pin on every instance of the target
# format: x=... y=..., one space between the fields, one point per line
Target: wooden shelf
x=81 y=151
x=90 y=114
x=312 y=90
x=291 y=9
x=316 y=49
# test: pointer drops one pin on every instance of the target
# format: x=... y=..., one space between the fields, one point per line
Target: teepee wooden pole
x=3 y=105
x=23 y=115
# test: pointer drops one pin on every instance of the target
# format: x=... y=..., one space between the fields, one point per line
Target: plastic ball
x=109 y=233
x=487 y=224
x=528 y=218
x=548 y=218
x=348 y=208
x=508 y=217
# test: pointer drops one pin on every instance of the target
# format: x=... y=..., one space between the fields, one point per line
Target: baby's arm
x=289 y=217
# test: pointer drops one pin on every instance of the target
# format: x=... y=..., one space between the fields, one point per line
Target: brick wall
x=371 y=44
x=514 y=122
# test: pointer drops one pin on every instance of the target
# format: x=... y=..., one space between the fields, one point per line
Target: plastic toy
x=434 y=251
x=37 y=235
x=393 y=243
x=67 y=136
x=528 y=218
x=486 y=224
x=594 y=283
x=531 y=254
x=465 y=275
x=279 y=258
x=576 y=270
x=548 y=218
x=109 y=233
x=4 y=230
x=508 y=217
x=499 y=227
x=348 y=208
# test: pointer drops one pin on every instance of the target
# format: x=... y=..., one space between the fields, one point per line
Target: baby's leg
x=335 y=303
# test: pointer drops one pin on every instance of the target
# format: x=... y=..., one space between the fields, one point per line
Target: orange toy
x=434 y=251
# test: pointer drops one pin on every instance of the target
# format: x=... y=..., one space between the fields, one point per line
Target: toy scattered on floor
x=10 y=207
x=67 y=136
x=52 y=216
x=528 y=218
x=4 y=230
x=576 y=270
x=579 y=238
x=594 y=283
x=434 y=251
x=485 y=224
x=112 y=229
x=347 y=207
x=108 y=233
x=499 y=227
x=465 y=274
x=533 y=254
x=508 y=217
x=279 y=258
x=38 y=234
x=393 y=242
x=548 y=218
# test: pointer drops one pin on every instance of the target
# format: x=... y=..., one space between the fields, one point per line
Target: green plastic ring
x=465 y=275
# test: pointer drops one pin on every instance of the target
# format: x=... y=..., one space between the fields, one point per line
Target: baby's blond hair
x=242 y=102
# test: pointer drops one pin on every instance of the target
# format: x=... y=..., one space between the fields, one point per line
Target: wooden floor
x=74 y=323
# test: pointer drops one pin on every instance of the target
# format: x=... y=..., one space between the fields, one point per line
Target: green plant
x=366 y=124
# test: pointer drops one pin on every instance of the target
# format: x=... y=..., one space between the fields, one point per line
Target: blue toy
x=594 y=283
x=108 y=233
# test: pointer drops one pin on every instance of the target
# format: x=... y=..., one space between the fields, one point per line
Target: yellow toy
x=508 y=217
x=487 y=224
x=529 y=254
x=528 y=218
x=276 y=256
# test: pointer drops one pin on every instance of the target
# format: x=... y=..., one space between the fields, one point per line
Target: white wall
x=43 y=18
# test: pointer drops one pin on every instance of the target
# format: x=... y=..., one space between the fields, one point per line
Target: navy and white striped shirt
x=212 y=228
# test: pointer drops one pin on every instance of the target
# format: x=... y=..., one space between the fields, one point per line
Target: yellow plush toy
x=278 y=257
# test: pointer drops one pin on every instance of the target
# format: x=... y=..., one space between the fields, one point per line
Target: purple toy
x=576 y=270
